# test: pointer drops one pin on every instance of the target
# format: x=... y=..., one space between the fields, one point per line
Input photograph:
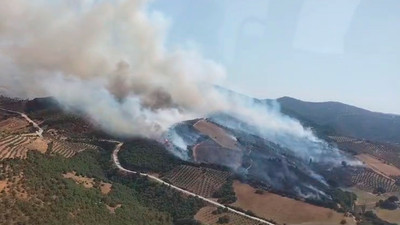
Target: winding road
x=158 y=180
x=115 y=159
x=39 y=131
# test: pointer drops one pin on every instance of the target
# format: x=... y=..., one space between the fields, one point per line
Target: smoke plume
x=108 y=60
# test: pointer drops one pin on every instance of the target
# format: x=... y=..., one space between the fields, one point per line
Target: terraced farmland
x=202 y=181
x=206 y=216
x=369 y=180
x=389 y=153
x=15 y=146
x=69 y=149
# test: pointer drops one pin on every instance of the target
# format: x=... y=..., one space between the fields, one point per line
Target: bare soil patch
x=112 y=209
x=13 y=125
x=105 y=188
x=38 y=144
x=283 y=209
x=216 y=133
x=379 y=166
x=85 y=181
x=14 y=187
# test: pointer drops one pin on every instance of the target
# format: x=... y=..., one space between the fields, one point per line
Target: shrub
x=223 y=219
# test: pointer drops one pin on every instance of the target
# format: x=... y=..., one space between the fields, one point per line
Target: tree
x=223 y=219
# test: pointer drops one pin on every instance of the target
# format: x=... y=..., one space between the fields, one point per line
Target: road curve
x=39 y=131
x=158 y=180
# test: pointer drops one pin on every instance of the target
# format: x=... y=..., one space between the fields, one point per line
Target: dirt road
x=118 y=164
x=39 y=131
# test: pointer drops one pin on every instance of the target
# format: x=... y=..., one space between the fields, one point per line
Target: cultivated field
x=216 y=133
x=369 y=180
x=205 y=215
x=69 y=149
x=285 y=210
x=202 y=181
x=14 y=125
x=17 y=146
x=379 y=166
x=386 y=152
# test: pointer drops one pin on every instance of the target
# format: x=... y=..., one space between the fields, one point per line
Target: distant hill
x=346 y=120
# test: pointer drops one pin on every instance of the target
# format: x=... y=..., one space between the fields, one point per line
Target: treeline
x=147 y=155
x=226 y=194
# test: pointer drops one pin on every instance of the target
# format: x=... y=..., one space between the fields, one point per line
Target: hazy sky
x=315 y=50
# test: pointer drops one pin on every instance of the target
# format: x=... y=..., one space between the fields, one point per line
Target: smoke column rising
x=108 y=60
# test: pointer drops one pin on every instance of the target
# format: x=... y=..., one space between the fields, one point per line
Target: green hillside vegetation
x=53 y=199
x=148 y=156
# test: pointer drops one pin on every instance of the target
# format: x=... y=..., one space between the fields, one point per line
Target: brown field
x=202 y=181
x=210 y=152
x=216 y=133
x=14 y=125
x=378 y=165
x=205 y=216
x=85 y=181
x=285 y=210
x=392 y=216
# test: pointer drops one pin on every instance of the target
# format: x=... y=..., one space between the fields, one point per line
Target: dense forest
x=147 y=155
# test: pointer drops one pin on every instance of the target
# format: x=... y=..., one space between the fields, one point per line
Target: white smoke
x=108 y=60
x=105 y=59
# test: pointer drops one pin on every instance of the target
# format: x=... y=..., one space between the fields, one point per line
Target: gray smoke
x=108 y=60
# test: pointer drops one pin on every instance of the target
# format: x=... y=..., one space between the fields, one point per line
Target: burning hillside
x=254 y=158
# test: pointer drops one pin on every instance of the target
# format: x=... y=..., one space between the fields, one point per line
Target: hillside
x=344 y=120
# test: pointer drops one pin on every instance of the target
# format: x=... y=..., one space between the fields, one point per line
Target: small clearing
x=85 y=181
x=14 y=187
x=283 y=209
x=379 y=166
x=105 y=188
x=112 y=209
x=38 y=144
